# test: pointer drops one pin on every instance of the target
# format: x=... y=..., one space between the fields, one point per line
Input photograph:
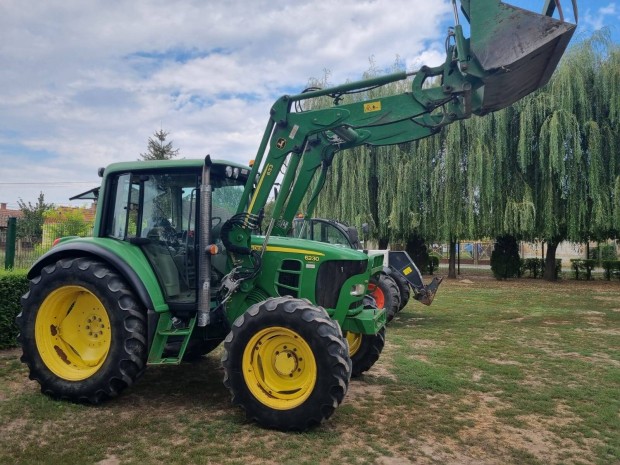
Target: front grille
x=332 y=275
x=288 y=278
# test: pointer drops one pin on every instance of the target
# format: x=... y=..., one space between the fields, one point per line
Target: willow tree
x=566 y=133
x=356 y=190
x=547 y=168
x=608 y=105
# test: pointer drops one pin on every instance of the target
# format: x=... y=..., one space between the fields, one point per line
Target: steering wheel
x=166 y=231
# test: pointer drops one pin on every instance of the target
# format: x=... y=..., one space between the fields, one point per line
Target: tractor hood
x=305 y=247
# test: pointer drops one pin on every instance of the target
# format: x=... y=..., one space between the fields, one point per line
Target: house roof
x=6 y=213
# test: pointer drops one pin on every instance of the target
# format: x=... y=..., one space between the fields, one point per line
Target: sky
x=85 y=84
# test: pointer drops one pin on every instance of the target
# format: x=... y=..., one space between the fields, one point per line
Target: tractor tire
x=286 y=364
x=403 y=288
x=364 y=350
x=385 y=292
x=82 y=330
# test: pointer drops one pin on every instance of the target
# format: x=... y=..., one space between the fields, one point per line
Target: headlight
x=358 y=290
x=229 y=171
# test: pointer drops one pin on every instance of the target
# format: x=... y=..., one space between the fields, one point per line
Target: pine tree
x=158 y=149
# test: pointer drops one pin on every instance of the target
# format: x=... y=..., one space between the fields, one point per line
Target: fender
x=125 y=258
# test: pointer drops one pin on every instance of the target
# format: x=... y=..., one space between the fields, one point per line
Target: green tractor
x=176 y=266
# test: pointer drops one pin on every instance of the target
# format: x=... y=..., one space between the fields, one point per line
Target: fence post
x=9 y=258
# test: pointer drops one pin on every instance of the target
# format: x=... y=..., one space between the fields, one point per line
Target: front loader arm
x=489 y=71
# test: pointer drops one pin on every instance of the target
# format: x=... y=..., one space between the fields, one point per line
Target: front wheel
x=82 y=331
x=364 y=350
x=385 y=292
x=286 y=364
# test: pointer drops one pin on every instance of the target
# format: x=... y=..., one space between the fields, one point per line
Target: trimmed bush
x=582 y=265
x=13 y=285
x=505 y=261
x=534 y=266
x=433 y=262
x=612 y=269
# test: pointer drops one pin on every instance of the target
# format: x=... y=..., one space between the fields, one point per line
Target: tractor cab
x=156 y=207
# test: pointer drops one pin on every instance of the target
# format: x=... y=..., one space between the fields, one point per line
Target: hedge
x=433 y=263
x=536 y=267
x=13 y=284
x=612 y=268
x=586 y=266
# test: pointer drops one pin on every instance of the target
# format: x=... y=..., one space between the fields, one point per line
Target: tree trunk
x=550 y=261
x=452 y=260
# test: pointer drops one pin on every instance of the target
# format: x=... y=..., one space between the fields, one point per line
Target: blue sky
x=85 y=84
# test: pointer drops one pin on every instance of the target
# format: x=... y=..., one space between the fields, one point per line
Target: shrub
x=582 y=265
x=604 y=252
x=612 y=268
x=534 y=266
x=12 y=286
x=505 y=261
x=433 y=262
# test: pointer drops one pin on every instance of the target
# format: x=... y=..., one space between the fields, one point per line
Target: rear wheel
x=364 y=350
x=83 y=333
x=286 y=364
x=385 y=292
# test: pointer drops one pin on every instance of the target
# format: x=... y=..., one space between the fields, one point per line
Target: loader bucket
x=427 y=293
x=518 y=50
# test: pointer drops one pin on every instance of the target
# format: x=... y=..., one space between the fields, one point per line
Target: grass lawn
x=517 y=372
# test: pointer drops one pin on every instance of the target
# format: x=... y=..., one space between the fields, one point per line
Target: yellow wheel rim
x=279 y=368
x=72 y=333
x=355 y=342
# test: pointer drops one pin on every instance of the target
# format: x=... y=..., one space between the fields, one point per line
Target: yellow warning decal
x=407 y=271
x=372 y=106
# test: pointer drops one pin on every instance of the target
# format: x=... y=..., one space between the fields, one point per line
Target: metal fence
x=470 y=253
x=21 y=248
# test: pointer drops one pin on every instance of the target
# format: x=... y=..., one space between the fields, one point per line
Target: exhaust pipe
x=204 y=256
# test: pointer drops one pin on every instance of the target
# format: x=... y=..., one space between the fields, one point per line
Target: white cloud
x=83 y=84
x=598 y=19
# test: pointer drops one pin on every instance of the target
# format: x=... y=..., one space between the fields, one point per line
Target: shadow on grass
x=408 y=317
x=192 y=385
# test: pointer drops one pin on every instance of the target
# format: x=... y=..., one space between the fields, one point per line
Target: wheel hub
x=94 y=327
x=73 y=332
x=279 y=368
x=286 y=362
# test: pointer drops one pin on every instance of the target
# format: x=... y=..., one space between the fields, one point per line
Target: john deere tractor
x=175 y=265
